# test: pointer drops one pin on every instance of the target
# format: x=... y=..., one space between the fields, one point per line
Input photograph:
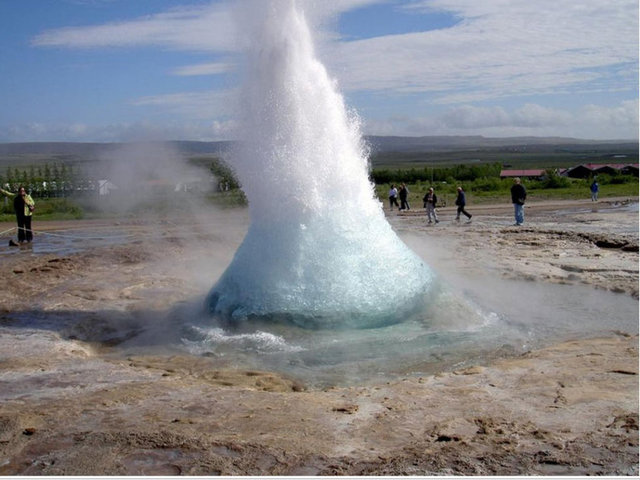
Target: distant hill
x=385 y=151
x=377 y=144
x=439 y=143
x=96 y=149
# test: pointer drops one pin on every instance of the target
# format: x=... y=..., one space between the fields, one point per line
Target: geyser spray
x=319 y=251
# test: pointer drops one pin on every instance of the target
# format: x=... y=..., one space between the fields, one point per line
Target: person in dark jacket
x=430 y=200
x=461 y=202
x=518 y=196
x=404 y=195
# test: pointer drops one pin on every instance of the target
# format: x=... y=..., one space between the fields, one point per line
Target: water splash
x=319 y=251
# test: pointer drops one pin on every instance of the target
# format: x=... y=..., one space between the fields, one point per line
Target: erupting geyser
x=319 y=251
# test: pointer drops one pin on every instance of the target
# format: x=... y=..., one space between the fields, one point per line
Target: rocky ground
x=561 y=242
x=72 y=404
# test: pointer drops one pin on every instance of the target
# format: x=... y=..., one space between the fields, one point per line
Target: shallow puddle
x=67 y=242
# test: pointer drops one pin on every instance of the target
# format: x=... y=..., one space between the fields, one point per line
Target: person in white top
x=393 y=197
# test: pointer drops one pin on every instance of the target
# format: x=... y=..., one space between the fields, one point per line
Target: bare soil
x=72 y=405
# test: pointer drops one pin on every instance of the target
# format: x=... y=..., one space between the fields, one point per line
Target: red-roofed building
x=589 y=169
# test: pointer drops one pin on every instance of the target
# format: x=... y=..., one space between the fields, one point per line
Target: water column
x=319 y=252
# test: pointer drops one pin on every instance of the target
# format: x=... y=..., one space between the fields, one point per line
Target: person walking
x=518 y=196
x=24 y=206
x=404 y=195
x=461 y=202
x=594 y=190
x=393 y=197
x=430 y=200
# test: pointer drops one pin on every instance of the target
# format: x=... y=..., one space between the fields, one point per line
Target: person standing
x=518 y=196
x=393 y=197
x=594 y=190
x=461 y=202
x=430 y=200
x=24 y=206
x=404 y=195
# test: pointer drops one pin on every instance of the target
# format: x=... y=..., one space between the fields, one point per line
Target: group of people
x=403 y=193
x=24 y=207
x=430 y=201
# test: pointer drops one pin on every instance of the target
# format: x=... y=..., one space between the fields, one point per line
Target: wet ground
x=77 y=399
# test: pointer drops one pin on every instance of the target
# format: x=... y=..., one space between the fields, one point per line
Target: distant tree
x=72 y=174
x=55 y=180
x=24 y=178
x=63 y=179
x=31 y=178
x=465 y=173
x=225 y=175
x=15 y=178
x=553 y=180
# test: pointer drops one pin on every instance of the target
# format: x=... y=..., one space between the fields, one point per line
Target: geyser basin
x=319 y=251
x=492 y=319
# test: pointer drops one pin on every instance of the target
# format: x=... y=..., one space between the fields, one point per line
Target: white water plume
x=319 y=251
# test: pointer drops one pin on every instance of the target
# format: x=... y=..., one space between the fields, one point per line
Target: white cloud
x=468 y=117
x=501 y=48
x=206 y=28
x=612 y=120
x=194 y=105
x=210 y=130
x=211 y=27
x=204 y=69
x=591 y=121
x=528 y=116
x=498 y=49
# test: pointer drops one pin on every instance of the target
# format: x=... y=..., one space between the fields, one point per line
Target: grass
x=76 y=208
x=533 y=156
x=47 y=209
x=578 y=189
x=478 y=192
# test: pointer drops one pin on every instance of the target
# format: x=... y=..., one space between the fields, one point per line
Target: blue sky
x=124 y=70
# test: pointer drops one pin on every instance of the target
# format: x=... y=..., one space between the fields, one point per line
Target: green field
x=516 y=157
x=477 y=169
x=447 y=193
x=79 y=208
